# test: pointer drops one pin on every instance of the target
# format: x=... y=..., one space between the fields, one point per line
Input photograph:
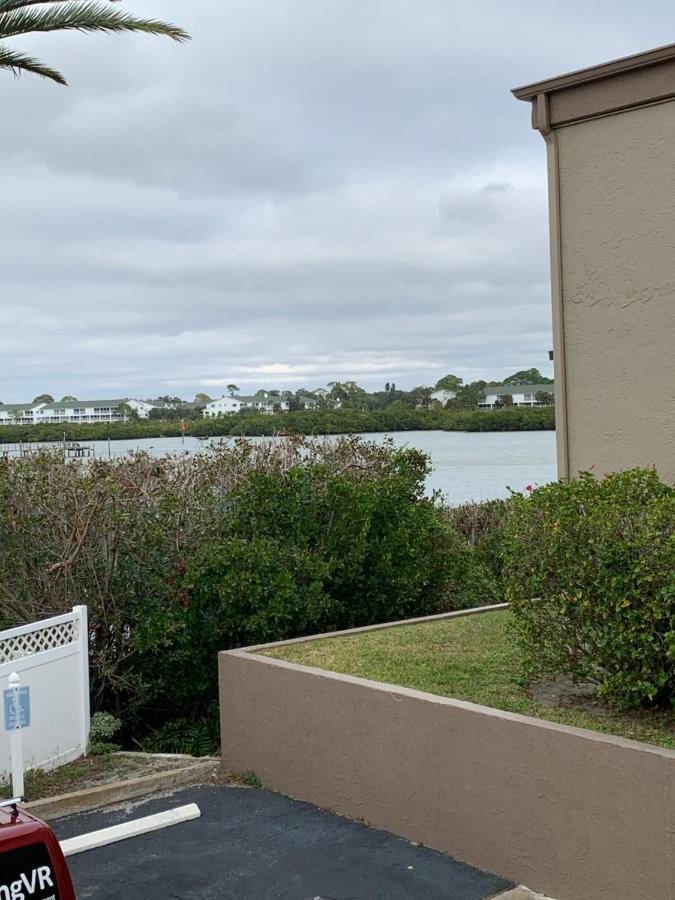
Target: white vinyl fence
x=51 y=659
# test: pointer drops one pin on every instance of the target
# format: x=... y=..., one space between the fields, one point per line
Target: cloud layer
x=309 y=190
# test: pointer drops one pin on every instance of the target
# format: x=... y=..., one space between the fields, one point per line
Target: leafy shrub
x=601 y=556
x=251 y=779
x=181 y=557
x=103 y=728
x=482 y=527
x=315 y=547
x=196 y=737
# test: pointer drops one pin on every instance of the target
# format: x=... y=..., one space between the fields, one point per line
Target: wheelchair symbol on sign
x=17 y=708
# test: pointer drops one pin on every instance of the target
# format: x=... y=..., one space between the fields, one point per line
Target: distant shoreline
x=305 y=422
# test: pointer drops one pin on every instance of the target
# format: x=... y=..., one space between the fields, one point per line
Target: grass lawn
x=472 y=659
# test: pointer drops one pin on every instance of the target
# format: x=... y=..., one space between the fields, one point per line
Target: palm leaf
x=7 y=5
x=80 y=16
x=22 y=17
x=18 y=63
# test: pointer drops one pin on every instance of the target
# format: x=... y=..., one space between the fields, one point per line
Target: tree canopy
x=44 y=398
x=449 y=383
x=468 y=396
x=19 y=17
x=348 y=394
x=528 y=376
x=128 y=411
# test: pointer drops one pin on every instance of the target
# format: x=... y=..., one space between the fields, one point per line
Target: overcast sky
x=310 y=190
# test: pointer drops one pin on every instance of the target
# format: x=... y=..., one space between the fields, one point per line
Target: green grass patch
x=474 y=659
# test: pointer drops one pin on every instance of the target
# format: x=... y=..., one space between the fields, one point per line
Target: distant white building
x=442 y=396
x=265 y=402
x=225 y=406
x=142 y=407
x=18 y=413
x=522 y=395
x=72 y=412
x=75 y=412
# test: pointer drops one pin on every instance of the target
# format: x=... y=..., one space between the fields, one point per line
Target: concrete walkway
x=254 y=845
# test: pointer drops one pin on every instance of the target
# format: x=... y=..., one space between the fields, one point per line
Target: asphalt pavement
x=251 y=844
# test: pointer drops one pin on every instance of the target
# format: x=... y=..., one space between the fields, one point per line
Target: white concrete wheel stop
x=127 y=830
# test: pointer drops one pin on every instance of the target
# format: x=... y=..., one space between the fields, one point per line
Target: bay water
x=466 y=465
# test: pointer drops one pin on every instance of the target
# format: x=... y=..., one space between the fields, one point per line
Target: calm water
x=466 y=466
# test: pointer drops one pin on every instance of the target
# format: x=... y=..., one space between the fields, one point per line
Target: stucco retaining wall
x=572 y=813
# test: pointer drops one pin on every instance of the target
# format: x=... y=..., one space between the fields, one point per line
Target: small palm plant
x=23 y=16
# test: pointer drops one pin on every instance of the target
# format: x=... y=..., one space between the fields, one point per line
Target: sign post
x=17 y=717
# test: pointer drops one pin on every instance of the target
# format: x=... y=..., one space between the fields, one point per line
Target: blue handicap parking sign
x=17 y=708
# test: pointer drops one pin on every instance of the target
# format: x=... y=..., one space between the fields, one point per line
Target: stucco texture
x=574 y=814
x=617 y=223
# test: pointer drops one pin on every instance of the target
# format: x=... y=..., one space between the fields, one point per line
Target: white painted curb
x=115 y=833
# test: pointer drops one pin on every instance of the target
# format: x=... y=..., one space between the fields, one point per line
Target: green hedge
x=601 y=556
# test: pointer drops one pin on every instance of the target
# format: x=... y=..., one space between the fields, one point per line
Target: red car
x=32 y=866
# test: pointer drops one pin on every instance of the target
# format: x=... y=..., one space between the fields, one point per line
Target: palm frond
x=78 y=16
x=18 y=63
x=20 y=17
x=8 y=5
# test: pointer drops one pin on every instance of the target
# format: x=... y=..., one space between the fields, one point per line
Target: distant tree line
x=349 y=395
x=303 y=422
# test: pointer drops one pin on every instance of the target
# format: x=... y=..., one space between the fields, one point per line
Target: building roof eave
x=594 y=73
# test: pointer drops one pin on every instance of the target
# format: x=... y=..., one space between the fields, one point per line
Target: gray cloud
x=309 y=190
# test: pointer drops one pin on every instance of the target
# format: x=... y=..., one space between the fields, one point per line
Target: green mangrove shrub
x=600 y=557
x=181 y=557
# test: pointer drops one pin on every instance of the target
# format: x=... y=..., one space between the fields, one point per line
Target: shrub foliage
x=601 y=556
x=181 y=557
x=482 y=527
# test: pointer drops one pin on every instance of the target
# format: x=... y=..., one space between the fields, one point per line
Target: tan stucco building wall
x=610 y=133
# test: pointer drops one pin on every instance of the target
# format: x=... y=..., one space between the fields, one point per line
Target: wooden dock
x=69 y=449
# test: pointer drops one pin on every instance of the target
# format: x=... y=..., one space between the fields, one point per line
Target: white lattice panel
x=23 y=645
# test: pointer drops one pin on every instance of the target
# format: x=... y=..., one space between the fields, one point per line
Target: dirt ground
x=92 y=771
x=563 y=693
